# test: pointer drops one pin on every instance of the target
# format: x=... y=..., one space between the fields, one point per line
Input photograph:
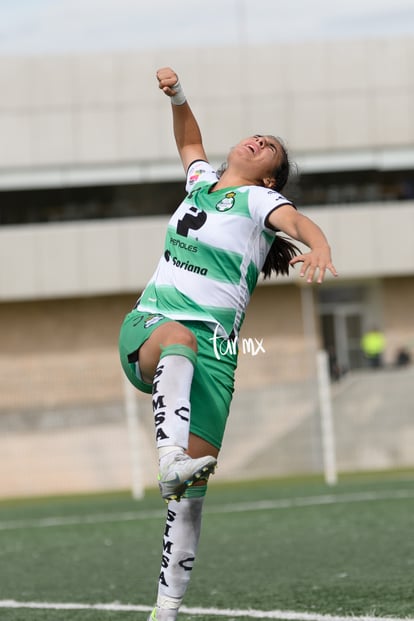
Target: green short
x=213 y=382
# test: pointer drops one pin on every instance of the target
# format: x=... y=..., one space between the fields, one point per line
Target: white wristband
x=179 y=98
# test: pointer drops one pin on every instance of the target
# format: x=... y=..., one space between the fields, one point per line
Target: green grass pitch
x=293 y=545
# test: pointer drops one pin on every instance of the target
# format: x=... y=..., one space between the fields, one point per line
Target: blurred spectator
x=402 y=357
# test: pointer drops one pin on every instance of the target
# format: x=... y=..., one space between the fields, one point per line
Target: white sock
x=180 y=542
x=171 y=402
x=164 y=451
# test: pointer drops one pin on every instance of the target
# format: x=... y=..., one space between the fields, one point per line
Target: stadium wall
x=93 y=118
x=118 y=256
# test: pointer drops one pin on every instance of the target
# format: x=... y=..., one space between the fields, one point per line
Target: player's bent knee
x=180 y=335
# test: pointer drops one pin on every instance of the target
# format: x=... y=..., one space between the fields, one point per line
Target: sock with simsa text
x=180 y=542
x=171 y=398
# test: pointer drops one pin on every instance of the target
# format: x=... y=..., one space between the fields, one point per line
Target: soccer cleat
x=163 y=615
x=181 y=472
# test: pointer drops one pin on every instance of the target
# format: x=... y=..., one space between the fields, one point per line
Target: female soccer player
x=218 y=241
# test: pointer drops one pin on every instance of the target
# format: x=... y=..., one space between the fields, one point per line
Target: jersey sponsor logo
x=227 y=202
x=192 y=220
x=177 y=242
x=195 y=175
x=185 y=265
x=189 y=267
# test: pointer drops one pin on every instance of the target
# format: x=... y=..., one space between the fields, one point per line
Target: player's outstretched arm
x=296 y=225
x=186 y=130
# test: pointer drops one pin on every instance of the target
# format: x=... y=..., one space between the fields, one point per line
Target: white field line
x=288 y=615
x=237 y=507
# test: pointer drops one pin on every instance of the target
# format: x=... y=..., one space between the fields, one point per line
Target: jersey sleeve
x=200 y=173
x=262 y=202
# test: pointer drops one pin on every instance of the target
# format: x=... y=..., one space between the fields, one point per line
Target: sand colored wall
x=63 y=352
x=398 y=313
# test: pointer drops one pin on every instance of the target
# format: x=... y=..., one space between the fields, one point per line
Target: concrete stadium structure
x=97 y=120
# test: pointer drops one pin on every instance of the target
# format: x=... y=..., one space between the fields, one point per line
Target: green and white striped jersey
x=215 y=248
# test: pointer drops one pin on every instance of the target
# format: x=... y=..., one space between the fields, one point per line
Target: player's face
x=262 y=153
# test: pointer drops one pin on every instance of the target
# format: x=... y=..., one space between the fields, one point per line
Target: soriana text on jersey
x=185 y=265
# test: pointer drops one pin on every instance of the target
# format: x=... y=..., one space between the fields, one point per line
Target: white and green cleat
x=166 y=609
x=163 y=615
x=181 y=472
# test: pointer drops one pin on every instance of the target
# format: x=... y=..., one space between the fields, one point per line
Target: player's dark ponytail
x=281 y=252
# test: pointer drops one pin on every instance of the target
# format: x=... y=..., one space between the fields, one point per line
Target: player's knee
x=180 y=335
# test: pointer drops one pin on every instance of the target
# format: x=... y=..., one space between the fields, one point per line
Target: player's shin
x=180 y=542
x=171 y=398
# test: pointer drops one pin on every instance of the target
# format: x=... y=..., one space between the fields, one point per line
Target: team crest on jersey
x=227 y=202
x=151 y=320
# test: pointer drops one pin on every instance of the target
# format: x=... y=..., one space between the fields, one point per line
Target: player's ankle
x=169 y=451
